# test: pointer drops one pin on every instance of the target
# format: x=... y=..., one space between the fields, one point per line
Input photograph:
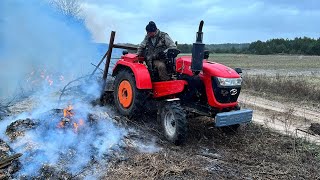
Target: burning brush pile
x=44 y=136
x=75 y=142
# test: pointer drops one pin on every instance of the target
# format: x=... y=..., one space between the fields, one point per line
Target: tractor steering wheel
x=171 y=53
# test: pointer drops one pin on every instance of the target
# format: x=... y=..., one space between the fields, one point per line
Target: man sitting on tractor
x=153 y=47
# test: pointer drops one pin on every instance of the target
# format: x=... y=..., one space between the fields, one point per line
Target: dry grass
x=290 y=76
x=161 y=165
x=290 y=87
x=287 y=62
x=249 y=61
x=254 y=153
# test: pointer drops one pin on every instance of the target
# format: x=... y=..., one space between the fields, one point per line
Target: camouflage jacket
x=150 y=47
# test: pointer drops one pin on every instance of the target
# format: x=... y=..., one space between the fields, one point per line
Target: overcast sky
x=232 y=21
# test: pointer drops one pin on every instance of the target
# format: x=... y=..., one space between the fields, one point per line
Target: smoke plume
x=42 y=49
x=37 y=41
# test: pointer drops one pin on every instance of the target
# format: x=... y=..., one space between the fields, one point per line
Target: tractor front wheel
x=174 y=122
x=127 y=98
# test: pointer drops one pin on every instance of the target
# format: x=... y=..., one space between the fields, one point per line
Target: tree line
x=303 y=46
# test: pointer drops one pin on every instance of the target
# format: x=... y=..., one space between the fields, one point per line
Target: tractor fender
x=140 y=72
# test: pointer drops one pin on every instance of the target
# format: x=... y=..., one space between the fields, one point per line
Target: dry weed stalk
x=291 y=87
x=288 y=119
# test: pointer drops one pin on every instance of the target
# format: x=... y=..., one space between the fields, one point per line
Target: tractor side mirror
x=206 y=54
x=238 y=70
x=124 y=52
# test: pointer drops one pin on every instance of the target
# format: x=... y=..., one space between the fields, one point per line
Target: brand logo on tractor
x=233 y=92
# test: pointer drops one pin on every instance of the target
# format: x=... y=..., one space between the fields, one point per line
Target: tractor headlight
x=229 y=81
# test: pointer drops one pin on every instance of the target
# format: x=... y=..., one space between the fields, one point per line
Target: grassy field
x=293 y=66
x=249 y=61
x=290 y=76
x=268 y=61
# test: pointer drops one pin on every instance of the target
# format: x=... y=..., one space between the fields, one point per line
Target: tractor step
x=233 y=117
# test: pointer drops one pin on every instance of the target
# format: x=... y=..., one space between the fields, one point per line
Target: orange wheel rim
x=125 y=94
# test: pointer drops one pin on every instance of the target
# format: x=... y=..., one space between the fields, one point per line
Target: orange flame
x=61 y=124
x=81 y=122
x=67 y=117
x=67 y=112
x=75 y=127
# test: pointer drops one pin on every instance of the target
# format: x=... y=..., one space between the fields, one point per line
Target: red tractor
x=198 y=86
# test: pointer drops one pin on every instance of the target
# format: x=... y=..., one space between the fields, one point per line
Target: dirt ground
x=287 y=117
x=268 y=148
x=254 y=153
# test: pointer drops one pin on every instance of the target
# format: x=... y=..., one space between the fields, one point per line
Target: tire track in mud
x=308 y=113
x=287 y=118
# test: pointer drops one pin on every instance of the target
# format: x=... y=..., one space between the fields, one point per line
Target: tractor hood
x=183 y=65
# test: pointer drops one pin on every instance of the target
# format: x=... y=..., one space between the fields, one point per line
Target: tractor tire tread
x=182 y=124
x=139 y=95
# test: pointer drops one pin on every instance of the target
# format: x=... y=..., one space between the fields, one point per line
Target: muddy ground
x=268 y=148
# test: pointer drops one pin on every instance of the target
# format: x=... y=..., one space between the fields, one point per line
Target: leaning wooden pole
x=106 y=68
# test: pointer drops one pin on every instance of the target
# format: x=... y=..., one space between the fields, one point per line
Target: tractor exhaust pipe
x=198 y=52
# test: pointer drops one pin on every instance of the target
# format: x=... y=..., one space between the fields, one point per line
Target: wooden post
x=106 y=68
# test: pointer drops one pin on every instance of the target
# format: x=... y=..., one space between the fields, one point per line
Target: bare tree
x=68 y=7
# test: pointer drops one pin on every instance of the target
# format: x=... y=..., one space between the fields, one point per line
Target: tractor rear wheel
x=174 y=122
x=127 y=98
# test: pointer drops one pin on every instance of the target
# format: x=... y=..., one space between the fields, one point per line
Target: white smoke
x=41 y=50
x=66 y=148
x=39 y=42
x=63 y=147
x=148 y=147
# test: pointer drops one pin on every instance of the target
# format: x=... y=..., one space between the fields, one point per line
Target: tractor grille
x=225 y=94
